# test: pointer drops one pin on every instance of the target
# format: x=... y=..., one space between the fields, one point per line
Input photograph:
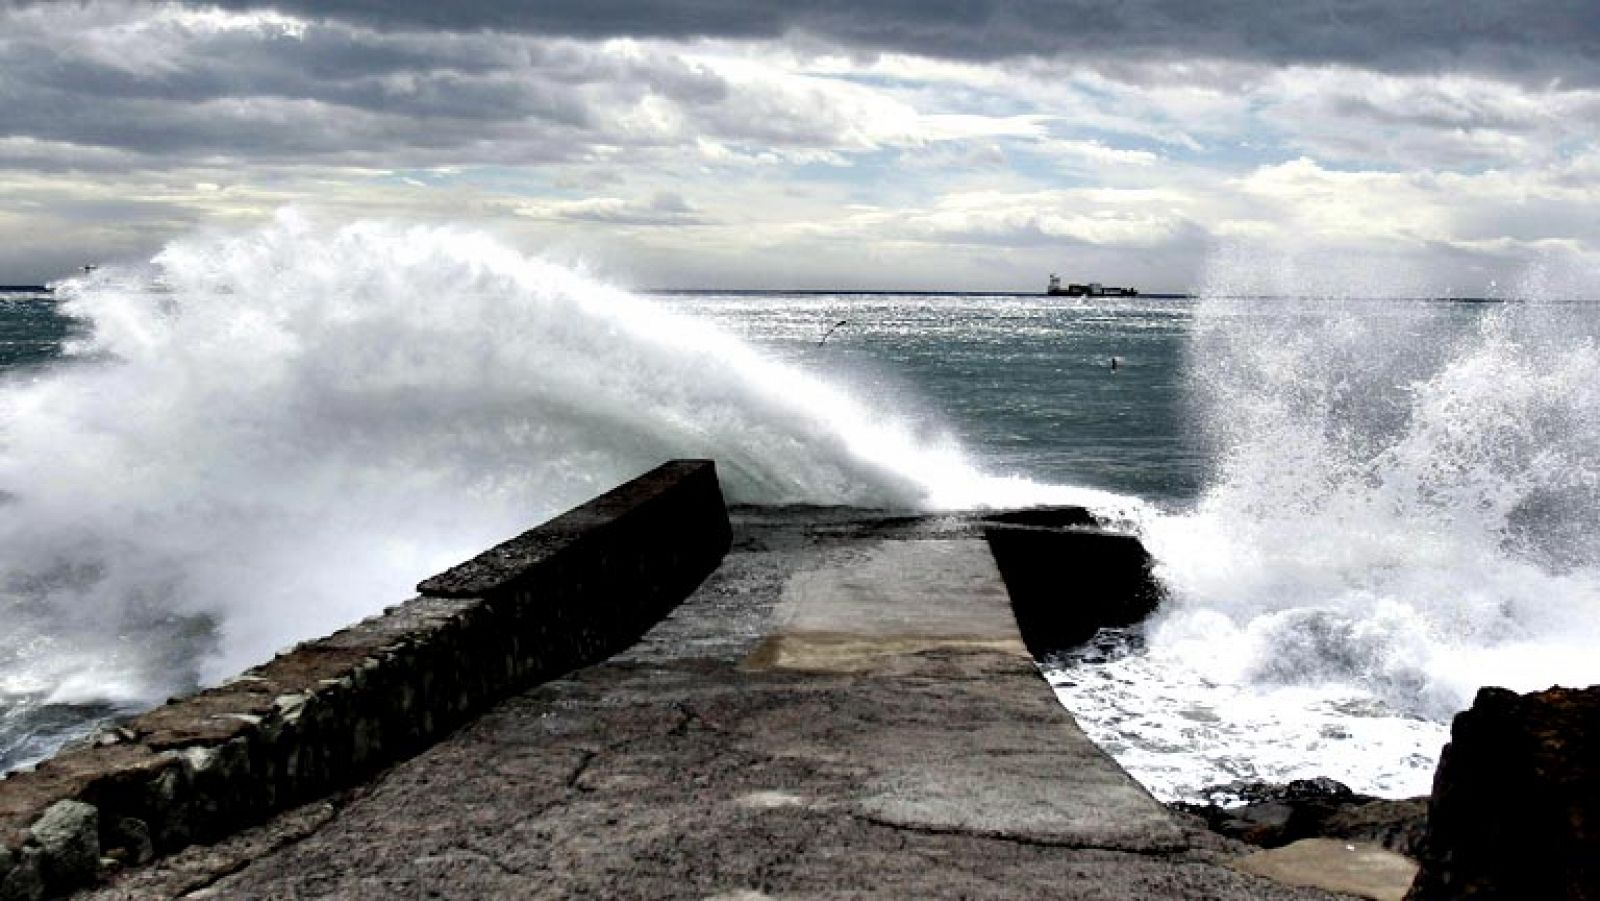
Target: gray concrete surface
x=843 y=710
x=332 y=712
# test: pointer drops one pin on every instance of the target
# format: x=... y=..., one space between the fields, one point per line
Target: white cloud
x=129 y=121
x=1098 y=152
x=1436 y=120
x=1111 y=217
x=1495 y=213
x=662 y=209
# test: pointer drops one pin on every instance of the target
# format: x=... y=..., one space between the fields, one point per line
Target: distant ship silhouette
x=1092 y=289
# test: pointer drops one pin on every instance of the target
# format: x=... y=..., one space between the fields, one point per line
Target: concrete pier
x=843 y=709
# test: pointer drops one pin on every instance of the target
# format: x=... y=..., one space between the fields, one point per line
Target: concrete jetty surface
x=844 y=709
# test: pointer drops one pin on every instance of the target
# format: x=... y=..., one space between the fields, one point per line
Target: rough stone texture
x=1272 y=815
x=130 y=841
x=1398 y=825
x=68 y=836
x=700 y=763
x=1515 y=812
x=1068 y=581
x=1360 y=869
x=23 y=880
x=333 y=711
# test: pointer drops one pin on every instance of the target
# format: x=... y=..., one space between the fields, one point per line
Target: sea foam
x=1404 y=506
x=269 y=434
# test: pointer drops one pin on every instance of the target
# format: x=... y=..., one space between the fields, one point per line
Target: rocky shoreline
x=1514 y=814
x=1271 y=815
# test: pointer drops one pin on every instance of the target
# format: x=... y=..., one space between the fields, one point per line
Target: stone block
x=68 y=835
x=1066 y=583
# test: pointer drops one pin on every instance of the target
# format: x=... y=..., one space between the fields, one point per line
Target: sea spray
x=263 y=436
x=1404 y=506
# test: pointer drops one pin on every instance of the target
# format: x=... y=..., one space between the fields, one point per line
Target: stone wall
x=332 y=711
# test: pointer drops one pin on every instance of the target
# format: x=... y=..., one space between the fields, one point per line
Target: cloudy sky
x=936 y=144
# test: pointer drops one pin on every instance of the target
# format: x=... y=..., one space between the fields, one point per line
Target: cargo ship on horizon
x=1092 y=289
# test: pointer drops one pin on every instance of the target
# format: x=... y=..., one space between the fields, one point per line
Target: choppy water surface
x=1362 y=509
x=31 y=330
x=1009 y=376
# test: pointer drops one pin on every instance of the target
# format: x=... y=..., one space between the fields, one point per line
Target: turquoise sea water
x=1024 y=381
x=31 y=329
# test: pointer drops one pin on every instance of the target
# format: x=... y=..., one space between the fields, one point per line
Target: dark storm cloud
x=407 y=83
x=165 y=91
x=1530 y=38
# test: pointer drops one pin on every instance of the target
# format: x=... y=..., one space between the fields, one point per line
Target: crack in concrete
x=201 y=887
x=687 y=717
x=587 y=757
x=245 y=856
x=1162 y=853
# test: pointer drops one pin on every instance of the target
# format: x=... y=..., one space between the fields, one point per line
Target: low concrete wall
x=330 y=712
x=1068 y=578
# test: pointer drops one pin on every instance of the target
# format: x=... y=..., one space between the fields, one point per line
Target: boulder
x=69 y=837
x=1516 y=801
x=22 y=879
x=1272 y=815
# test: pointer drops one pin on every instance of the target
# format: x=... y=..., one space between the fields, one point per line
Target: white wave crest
x=270 y=434
x=1404 y=506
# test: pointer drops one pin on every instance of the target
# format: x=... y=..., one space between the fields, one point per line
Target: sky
x=1417 y=146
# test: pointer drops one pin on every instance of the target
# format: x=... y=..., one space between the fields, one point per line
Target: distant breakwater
x=332 y=711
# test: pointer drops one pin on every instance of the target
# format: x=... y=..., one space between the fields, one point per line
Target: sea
x=1361 y=508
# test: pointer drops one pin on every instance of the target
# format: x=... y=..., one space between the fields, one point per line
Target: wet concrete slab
x=1361 y=869
x=843 y=710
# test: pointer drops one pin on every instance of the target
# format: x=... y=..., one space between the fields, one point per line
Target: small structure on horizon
x=1092 y=289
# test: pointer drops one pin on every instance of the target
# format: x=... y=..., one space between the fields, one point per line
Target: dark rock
x=128 y=841
x=1068 y=583
x=1516 y=800
x=1396 y=825
x=69 y=837
x=24 y=882
x=1272 y=815
x=1265 y=824
x=1318 y=790
x=1269 y=814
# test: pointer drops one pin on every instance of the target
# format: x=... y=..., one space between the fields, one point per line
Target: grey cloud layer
x=407 y=84
x=528 y=118
x=1532 y=38
x=338 y=92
